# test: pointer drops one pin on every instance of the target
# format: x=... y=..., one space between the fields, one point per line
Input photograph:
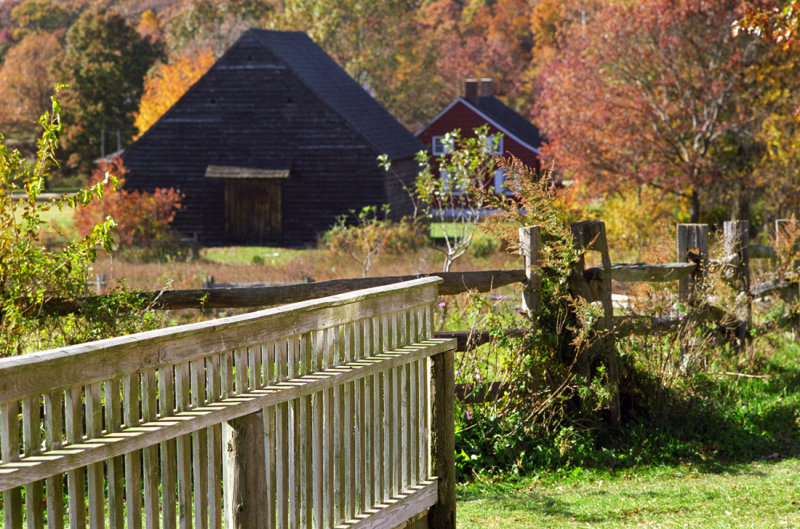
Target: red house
x=478 y=106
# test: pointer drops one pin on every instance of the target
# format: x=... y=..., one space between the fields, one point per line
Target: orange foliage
x=167 y=83
x=141 y=217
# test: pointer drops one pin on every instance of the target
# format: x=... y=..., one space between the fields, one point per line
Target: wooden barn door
x=252 y=210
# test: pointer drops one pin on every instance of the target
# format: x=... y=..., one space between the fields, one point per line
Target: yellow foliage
x=167 y=83
x=638 y=220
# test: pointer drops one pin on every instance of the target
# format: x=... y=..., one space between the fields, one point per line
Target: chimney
x=470 y=90
x=485 y=88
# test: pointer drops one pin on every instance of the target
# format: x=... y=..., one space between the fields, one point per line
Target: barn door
x=252 y=210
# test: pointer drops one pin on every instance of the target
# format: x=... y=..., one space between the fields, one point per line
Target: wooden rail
x=229 y=298
x=336 y=412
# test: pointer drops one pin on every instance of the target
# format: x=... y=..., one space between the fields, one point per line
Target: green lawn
x=244 y=255
x=764 y=494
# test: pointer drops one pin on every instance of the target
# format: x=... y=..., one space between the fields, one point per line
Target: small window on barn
x=494 y=144
x=501 y=182
x=440 y=146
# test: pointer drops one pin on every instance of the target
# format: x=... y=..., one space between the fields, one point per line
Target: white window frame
x=500 y=187
x=447 y=182
x=489 y=144
x=439 y=146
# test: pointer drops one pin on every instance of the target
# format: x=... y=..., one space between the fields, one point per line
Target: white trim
x=489 y=144
x=444 y=145
x=500 y=182
x=485 y=117
x=440 y=114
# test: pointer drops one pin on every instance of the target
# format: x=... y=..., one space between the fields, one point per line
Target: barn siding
x=251 y=110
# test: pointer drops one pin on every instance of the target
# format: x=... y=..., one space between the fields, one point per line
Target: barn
x=272 y=144
x=477 y=106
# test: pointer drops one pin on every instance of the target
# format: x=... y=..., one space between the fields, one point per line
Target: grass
x=56 y=221
x=245 y=255
x=751 y=495
x=726 y=456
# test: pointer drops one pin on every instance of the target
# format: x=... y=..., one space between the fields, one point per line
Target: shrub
x=33 y=275
x=362 y=241
x=142 y=219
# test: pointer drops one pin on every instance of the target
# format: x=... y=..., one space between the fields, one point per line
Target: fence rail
x=328 y=413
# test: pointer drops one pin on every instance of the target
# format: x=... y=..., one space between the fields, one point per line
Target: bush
x=142 y=219
x=33 y=275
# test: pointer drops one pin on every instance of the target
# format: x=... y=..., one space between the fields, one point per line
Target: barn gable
x=271 y=144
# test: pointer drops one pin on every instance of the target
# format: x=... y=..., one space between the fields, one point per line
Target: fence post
x=692 y=246
x=245 y=480
x=530 y=246
x=591 y=235
x=443 y=514
x=737 y=240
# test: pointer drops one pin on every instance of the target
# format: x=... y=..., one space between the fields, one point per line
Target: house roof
x=506 y=118
x=320 y=73
x=501 y=116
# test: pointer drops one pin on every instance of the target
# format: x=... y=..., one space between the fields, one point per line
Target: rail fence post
x=692 y=247
x=737 y=240
x=784 y=229
x=245 y=481
x=530 y=246
x=591 y=235
x=443 y=514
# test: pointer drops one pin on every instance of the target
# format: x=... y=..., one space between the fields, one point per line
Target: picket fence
x=336 y=412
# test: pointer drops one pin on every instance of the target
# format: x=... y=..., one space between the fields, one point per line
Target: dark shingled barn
x=272 y=144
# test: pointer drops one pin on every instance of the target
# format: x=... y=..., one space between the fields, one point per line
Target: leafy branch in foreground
x=31 y=274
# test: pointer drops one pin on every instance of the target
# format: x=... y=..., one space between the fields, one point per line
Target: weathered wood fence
x=336 y=412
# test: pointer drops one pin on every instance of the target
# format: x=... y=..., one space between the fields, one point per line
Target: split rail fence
x=336 y=412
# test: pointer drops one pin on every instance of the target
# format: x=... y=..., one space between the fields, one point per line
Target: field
x=761 y=494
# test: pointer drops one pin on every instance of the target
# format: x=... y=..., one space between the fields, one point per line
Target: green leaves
x=31 y=275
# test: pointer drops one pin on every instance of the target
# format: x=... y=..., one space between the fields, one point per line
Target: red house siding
x=461 y=116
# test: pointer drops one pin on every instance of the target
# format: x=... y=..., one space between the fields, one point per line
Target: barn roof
x=342 y=93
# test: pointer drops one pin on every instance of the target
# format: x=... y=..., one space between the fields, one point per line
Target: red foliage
x=647 y=93
x=142 y=218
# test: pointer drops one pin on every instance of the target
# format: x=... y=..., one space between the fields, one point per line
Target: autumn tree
x=45 y=16
x=379 y=44
x=27 y=82
x=166 y=83
x=206 y=24
x=104 y=64
x=655 y=92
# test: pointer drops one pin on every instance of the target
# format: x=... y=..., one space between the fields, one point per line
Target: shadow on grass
x=726 y=420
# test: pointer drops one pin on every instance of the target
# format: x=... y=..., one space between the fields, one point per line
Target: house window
x=494 y=144
x=439 y=146
x=500 y=187
x=450 y=184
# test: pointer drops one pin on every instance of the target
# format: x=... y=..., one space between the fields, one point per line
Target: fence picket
x=183 y=445
x=168 y=457
x=34 y=495
x=199 y=446
x=75 y=478
x=214 y=438
x=133 y=469
x=94 y=429
x=53 y=429
x=9 y=440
